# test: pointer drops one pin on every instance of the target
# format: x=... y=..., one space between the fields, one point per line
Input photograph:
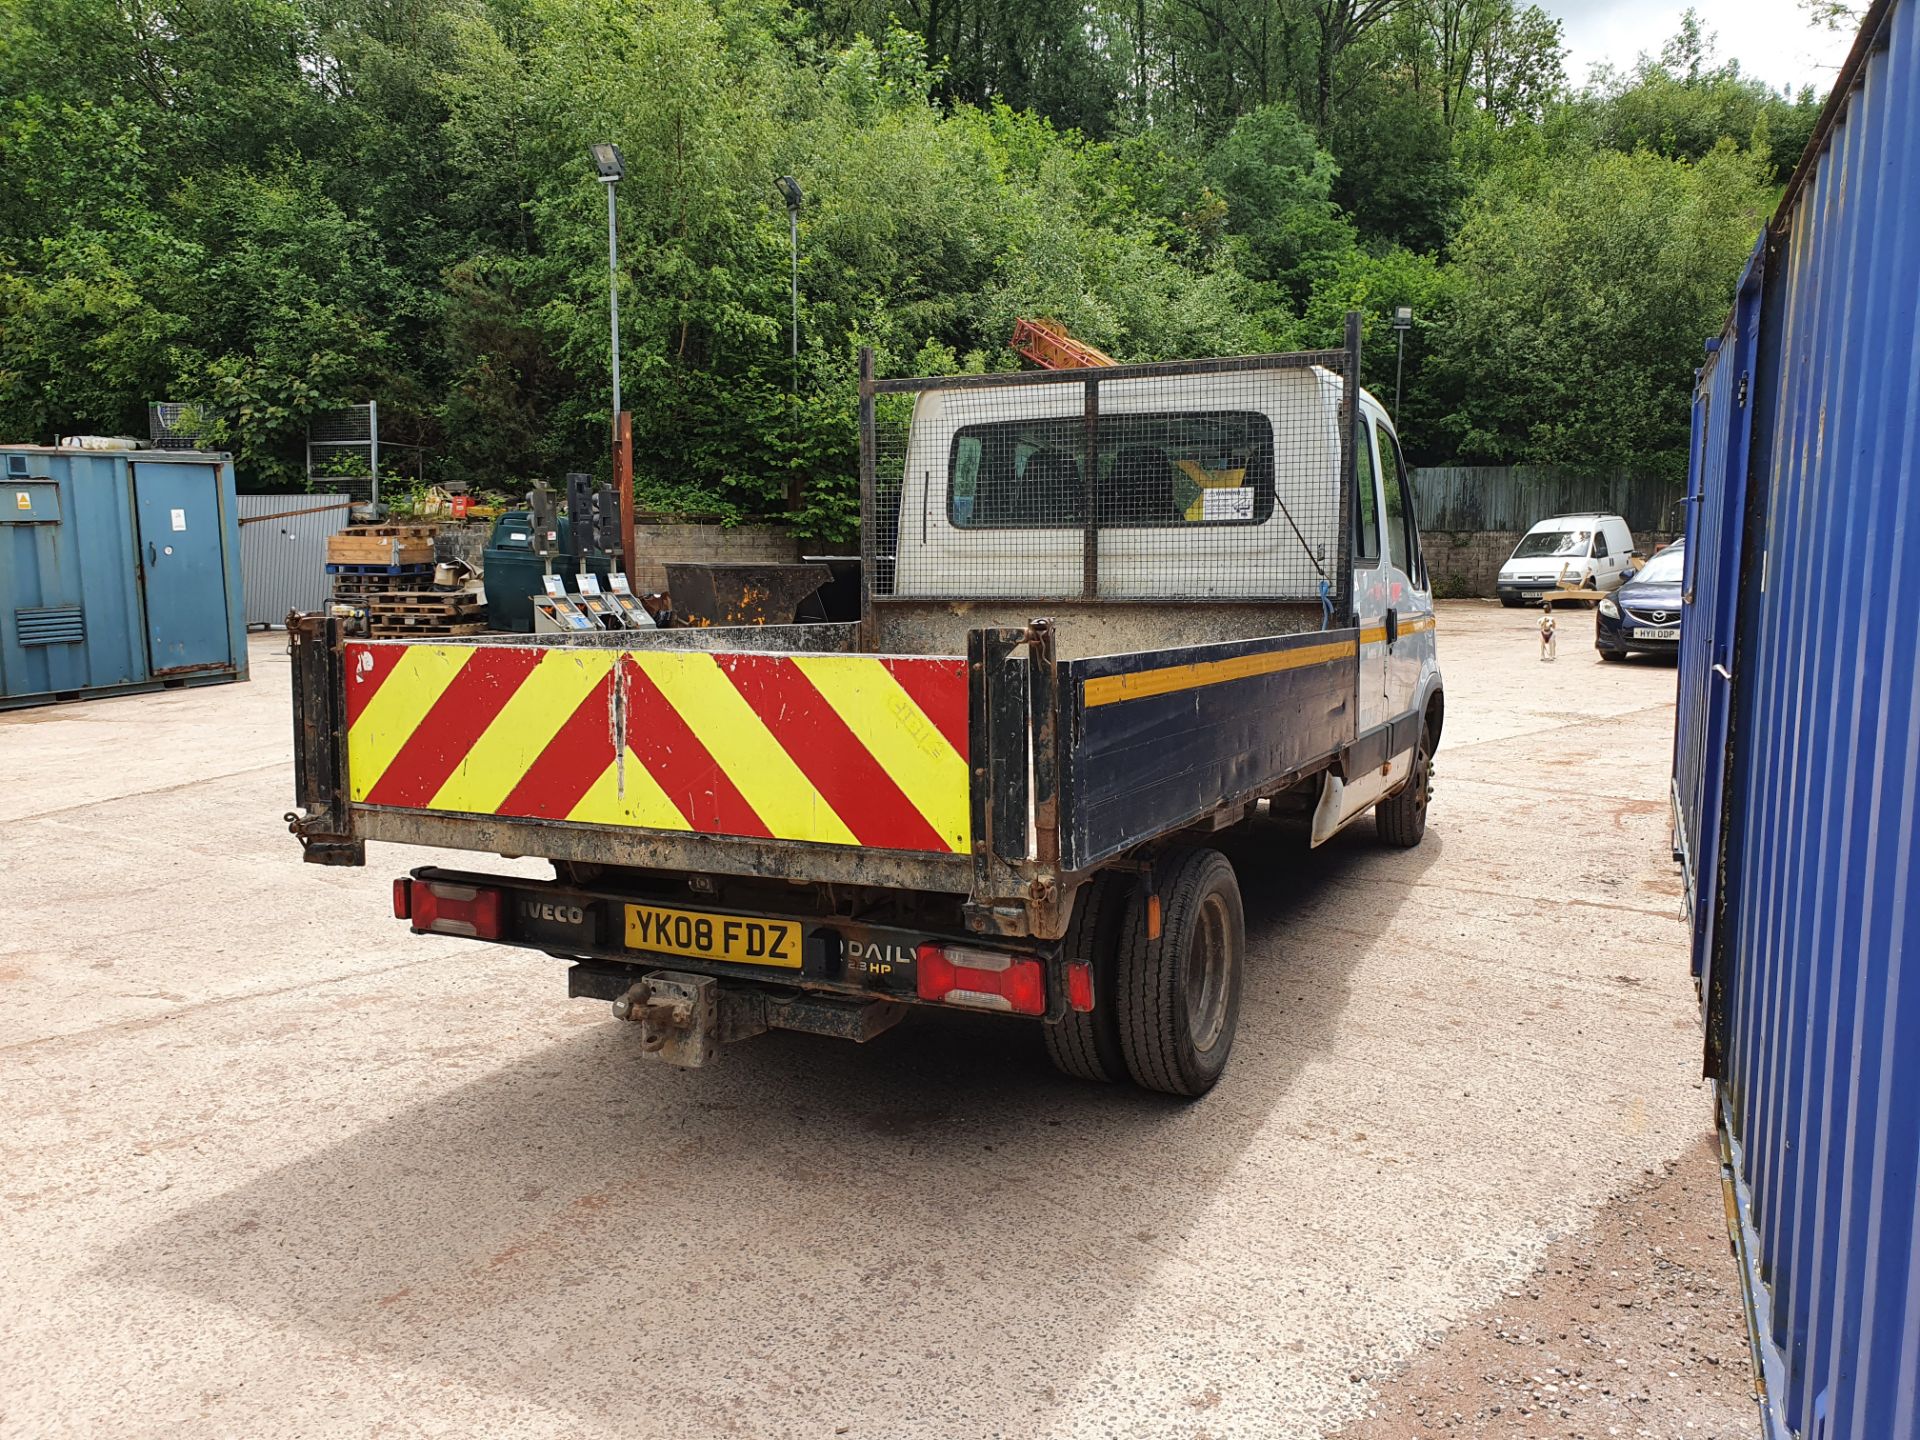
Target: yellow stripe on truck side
x=1112 y=689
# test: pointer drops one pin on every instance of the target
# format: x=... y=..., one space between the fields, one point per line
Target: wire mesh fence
x=1193 y=480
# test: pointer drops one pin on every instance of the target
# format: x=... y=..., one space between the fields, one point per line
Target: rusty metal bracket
x=1014 y=744
x=320 y=848
x=1043 y=691
x=324 y=823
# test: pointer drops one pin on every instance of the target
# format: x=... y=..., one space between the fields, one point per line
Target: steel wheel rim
x=1421 y=766
x=1208 y=964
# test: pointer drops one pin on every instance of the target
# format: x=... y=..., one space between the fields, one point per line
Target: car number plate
x=736 y=939
x=1657 y=632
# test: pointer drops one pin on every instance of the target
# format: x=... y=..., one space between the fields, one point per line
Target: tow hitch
x=678 y=1016
x=685 y=1019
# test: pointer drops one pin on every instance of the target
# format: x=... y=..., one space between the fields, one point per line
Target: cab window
x=1366 y=520
x=1600 y=544
x=1403 y=526
x=1399 y=517
x=1185 y=468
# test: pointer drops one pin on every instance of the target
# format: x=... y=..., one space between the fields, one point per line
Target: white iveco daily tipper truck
x=1106 y=614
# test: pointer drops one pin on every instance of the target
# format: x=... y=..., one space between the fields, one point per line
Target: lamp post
x=789 y=189
x=607 y=160
x=1402 y=322
x=611 y=166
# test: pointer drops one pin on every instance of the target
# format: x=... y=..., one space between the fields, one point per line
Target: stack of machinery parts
x=587 y=603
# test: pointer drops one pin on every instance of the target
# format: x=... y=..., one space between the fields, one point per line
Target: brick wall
x=658 y=543
x=1465 y=563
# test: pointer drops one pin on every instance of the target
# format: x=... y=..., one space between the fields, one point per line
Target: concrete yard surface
x=274 y=1166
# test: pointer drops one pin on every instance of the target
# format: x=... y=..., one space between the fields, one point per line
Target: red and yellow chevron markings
x=835 y=749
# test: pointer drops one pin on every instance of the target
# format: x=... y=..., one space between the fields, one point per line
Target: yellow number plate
x=732 y=938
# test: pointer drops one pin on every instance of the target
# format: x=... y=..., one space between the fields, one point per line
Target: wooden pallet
x=381 y=567
x=392 y=630
x=393 y=532
x=361 y=585
x=388 y=550
x=359 y=593
x=428 y=606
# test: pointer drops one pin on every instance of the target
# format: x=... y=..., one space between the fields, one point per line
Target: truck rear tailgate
x=849 y=750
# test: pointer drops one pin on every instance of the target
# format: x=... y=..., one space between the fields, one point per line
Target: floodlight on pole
x=608 y=161
x=789 y=189
x=1402 y=322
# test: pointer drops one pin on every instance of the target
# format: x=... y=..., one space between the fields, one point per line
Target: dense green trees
x=268 y=207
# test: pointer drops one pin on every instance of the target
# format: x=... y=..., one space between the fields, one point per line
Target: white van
x=1593 y=552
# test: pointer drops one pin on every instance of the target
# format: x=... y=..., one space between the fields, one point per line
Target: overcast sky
x=1772 y=39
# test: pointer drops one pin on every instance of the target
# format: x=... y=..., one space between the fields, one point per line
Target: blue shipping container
x=119 y=571
x=1797 y=757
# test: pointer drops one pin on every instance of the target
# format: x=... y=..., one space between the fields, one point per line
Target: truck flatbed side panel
x=1164 y=738
x=851 y=750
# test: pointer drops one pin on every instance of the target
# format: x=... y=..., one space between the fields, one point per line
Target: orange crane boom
x=1047 y=344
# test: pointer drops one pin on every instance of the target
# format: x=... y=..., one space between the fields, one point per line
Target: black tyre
x=1511 y=602
x=1613 y=654
x=1179 y=994
x=1401 y=818
x=1086 y=1044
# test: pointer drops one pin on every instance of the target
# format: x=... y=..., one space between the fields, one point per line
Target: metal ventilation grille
x=173 y=426
x=51 y=625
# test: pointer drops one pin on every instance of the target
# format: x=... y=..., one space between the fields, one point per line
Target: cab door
x=1407 y=591
x=1606 y=563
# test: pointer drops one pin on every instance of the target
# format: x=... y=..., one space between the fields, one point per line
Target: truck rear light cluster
x=438 y=908
x=981 y=979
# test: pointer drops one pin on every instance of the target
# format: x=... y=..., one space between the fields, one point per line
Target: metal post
x=1352 y=438
x=613 y=292
x=1089 y=482
x=790 y=192
x=869 y=466
x=623 y=478
x=1399 y=365
x=793 y=222
x=1402 y=322
x=373 y=450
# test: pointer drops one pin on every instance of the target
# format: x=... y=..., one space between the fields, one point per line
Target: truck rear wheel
x=1401 y=818
x=1179 y=992
x=1086 y=1044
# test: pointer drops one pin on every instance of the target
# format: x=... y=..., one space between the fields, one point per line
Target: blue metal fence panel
x=1805 y=515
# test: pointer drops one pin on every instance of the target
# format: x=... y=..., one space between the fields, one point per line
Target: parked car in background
x=1644 y=614
x=1592 y=552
